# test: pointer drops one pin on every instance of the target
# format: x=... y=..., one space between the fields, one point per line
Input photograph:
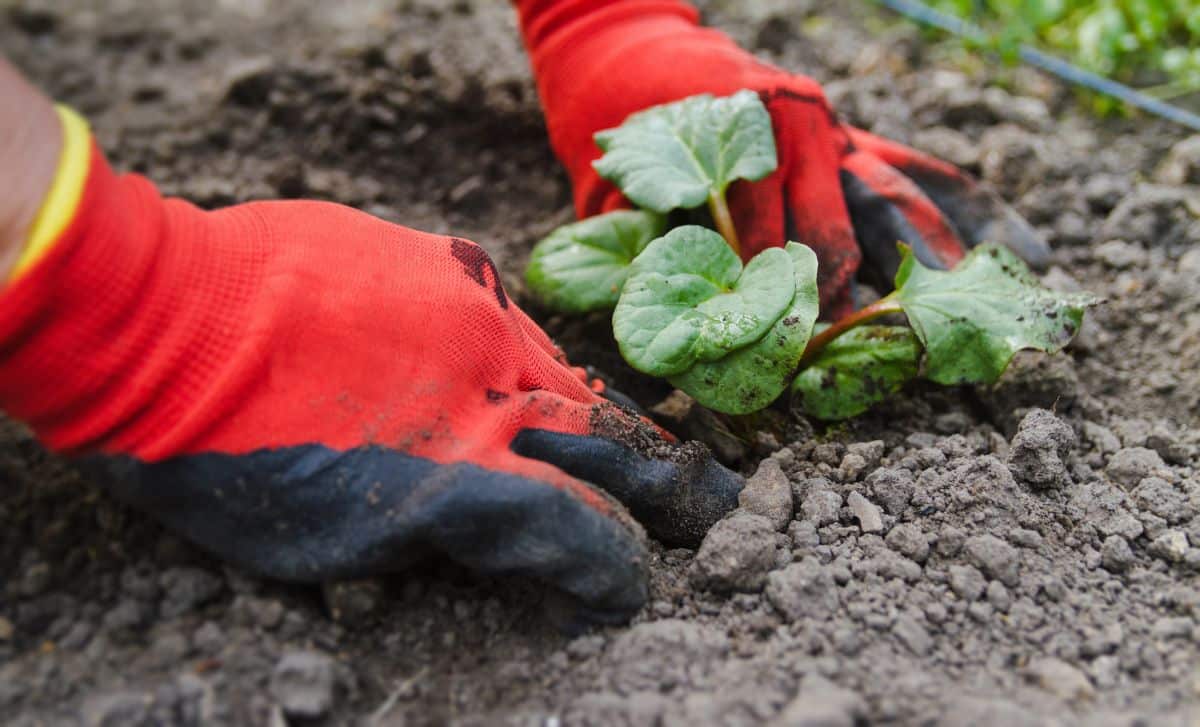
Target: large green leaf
x=688 y=299
x=677 y=155
x=752 y=377
x=581 y=267
x=857 y=369
x=972 y=319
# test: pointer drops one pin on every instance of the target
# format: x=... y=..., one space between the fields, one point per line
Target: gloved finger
x=538 y=336
x=595 y=384
x=810 y=143
x=978 y=213
x=542 y=340
x=886 y=208
x=544 y=367
x=310 y=513
x=676 y=491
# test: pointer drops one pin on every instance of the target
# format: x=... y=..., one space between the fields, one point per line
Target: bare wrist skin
x=30 y=143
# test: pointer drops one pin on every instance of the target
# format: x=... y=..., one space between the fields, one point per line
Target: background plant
x=1150 y=43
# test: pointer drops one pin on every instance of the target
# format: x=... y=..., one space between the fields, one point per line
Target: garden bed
x=946 y=558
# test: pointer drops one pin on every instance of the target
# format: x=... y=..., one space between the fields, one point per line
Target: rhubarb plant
x=685 y=154
x=737 y=336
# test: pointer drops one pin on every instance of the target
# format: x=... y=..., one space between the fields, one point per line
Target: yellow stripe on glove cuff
x=58 y=209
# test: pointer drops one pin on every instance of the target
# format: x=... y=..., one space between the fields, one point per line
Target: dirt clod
x=996 y=558
x=1172 y=546
x=1115 y=554
x=803 y=590
x=822 y=507
x=1128 y=466
x=666 y=654
x=821 y=703
x=892 y=487
x=1060 y=678
x=736 y=554
x=1039 y=452
x=1160 y=497
x=967 y=582
x=908 y=540
x=769 y=494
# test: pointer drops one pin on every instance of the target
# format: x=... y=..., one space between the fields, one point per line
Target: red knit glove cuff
x=82 y=357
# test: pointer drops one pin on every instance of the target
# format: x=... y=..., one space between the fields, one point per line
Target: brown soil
x=943 y=565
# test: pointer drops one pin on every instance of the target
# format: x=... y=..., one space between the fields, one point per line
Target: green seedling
x=688 y=299
x=735 y=337
x=582 y=267
x=856 y=370
x=750 y=378
x=966 y=325
x=685 y=154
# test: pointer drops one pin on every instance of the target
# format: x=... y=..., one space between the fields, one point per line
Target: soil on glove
x=1023 y=555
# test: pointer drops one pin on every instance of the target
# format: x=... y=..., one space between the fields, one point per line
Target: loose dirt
x=1023 y=555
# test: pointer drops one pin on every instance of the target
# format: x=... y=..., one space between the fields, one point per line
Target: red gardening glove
x=849 y=195
x=315 y=393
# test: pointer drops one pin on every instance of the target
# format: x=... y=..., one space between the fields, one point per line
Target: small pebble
x=1171 y=546
x=302 y=683
x=936 y=613
x=768 y=493
x=868 y=515
x=852 y=467
x=1115 y=554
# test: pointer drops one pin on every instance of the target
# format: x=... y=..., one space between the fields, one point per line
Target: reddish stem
x=817 y=343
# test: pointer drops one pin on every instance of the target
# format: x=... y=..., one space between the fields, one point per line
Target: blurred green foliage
x=1153 y=43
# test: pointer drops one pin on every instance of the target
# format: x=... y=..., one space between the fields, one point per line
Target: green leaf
x=856 y=370
x=582 y=267
x=972 y=319
x=679 y=154
x=688 y=299
x=752 y=377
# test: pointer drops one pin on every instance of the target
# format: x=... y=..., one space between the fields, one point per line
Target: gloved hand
x=848 y=194
x=314 y=393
